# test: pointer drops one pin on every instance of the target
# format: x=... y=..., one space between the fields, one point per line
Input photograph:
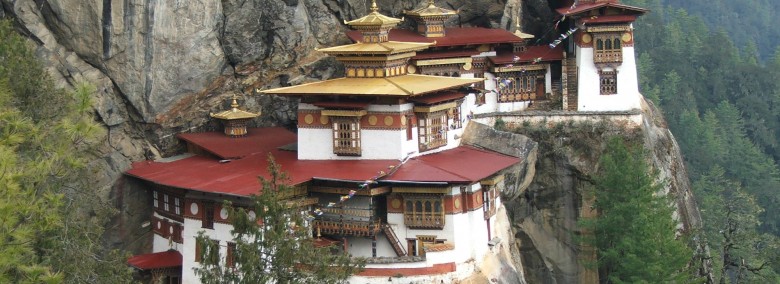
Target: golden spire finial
x=517 y=22
x=430 y=3
x=374 y=8
x=234 y=104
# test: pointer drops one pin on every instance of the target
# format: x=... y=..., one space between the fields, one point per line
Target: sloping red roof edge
x=157 y=260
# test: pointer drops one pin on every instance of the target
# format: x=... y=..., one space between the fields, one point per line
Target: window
x=608 y=82
x=208 y=249
x=156 y=200
x=608 y=48
x=177 y=205
x=489 y=195
x=409 y=126
x=230 y=255
x=208 y=216
x=521 y=85
x=457 y=123
x=165 y=202
x=424 y=212
x=432 y=128
x=346 y=136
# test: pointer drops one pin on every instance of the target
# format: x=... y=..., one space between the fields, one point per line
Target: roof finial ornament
x=430 y=3
x=234 y=104
x=374 y=8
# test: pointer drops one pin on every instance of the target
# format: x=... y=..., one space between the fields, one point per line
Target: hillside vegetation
x=723 y=105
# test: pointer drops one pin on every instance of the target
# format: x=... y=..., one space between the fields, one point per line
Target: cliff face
x=160 y=66
x=546 y=201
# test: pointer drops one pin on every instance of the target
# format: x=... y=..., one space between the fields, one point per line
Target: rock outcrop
x=547 y=201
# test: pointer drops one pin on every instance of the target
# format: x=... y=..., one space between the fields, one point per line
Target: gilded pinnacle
x=234 y=104
x=374 y=8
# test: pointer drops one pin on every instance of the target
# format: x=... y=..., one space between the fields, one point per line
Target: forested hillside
x=722 y=103
x=749 y=23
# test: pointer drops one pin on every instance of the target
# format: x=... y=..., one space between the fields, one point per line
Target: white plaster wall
x=361 y=247
x=589 y=93
x=221 y=233
x=317 y=144
x=160 y=244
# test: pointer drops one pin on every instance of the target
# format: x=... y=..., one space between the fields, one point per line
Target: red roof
x=444 y=54
x=463 y=164
x=158 y=260
x=438 y=97
x=609 y=19
x=454 y=36
x=531 y=52
x=590 y=6
x=348 y=105
x=256 y=140
x=240 y=177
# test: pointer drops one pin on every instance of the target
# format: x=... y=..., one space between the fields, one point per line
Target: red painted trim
x=386 y=272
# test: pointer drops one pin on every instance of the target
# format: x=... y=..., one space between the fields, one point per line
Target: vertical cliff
x=546 y=201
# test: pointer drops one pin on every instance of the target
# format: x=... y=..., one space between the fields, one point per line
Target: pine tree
x=634 y=233
x=275 y=246
x=50 y=221
x=740 y=253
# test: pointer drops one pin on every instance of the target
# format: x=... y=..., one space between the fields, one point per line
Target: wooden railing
x=608 y=56
x=424 y=220
x=365 y=213
x=347 y=228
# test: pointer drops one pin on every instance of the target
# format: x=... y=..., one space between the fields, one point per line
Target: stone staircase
x=397 y=246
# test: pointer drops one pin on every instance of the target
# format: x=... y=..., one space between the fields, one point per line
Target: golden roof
x=234 y=113
x=389 y=47
x=374 y=18
x=430 y=10
x=404 y=85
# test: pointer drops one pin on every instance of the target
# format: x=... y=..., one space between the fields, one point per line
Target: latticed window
x=489 y=195
x=608 y=82
x=457 y=121
x=521 y=86
x=165 y=202
x=424 y=212
x=608 y=48
x=346 y=136
x=432 y=128
x=156 y=199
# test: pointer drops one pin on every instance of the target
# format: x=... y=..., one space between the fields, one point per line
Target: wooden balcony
x=347 y=228
x=424 y=221
x=608 y=57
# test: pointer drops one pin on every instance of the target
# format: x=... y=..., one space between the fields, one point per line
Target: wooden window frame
x=409 y=127
x=346 y=142
x=432 y=130
x=230 y=255
x=208 y=215
x=156 y=198
x=457 y=121
x=422 y=212
x=489 y=196
x=607 y=48
x=608 y=82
